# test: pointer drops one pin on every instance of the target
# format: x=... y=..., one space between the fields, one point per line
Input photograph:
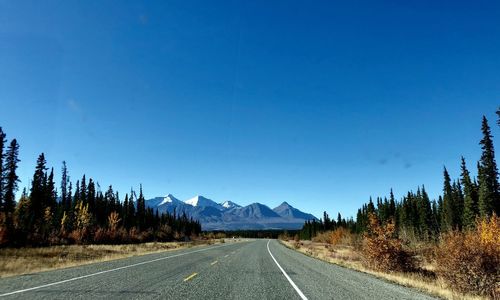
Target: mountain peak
x=285 y=210
x=229 y=204
x=202 y=201
x=169 y=199
x=230 y=216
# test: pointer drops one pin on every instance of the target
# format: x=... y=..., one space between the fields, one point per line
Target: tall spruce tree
x=425 y=214
x=64 y=187
x=489 y=197
x=498 y=114
x=91 y=195
x=470 y=198
x=38 y=195
x=83 y=190
x=458 y=204
x=141 y=209
x=125 y=213
x=392 y=205
x=131 y=209
x=76 y=197
x=448 y=213
x=70 y=195
x=50 y=191
x=440 y=213
x=3 y=141
x=11 y=180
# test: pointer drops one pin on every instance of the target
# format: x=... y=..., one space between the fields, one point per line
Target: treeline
x=312 y=228
x=415 y=216
x=255 y=234
x=79 y=213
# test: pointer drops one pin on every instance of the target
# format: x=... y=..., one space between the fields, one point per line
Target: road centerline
x=302 y=296
x=213 y=263
x=190 y=276
x=108 y=271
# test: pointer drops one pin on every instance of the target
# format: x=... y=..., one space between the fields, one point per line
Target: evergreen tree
x=470 y=198
x=326 y=221
x=11 y=180
x=440 y=213
x=125 y=212
x=425 y=214
x=23 y=217
x=141 y=209
x=392 y=205
x=435 y=217
x=109 y=200
x=91 y=195
x=458 y=204
x=448 y=214
x=371 y=206
x=50 y=191
x=83 y=190
x=498 y=114
x=131 y=210
x=64 y=187
x=489 y=197
x=38 y=193
x=76 y=197
x=70 y=197
x=3 y=141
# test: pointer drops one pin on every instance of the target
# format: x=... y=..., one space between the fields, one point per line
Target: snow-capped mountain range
x=231 y=216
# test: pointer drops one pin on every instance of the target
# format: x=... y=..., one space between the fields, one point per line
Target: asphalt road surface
x=254 y=269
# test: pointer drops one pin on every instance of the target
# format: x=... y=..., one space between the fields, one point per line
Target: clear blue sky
x=319 y=104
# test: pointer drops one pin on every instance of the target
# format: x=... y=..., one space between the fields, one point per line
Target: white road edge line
x=107 y=271
x=286 y=275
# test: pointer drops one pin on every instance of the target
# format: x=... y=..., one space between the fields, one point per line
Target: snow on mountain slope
x=169 y=199
x=231 y=216
x=202 y=201
x=229 y=204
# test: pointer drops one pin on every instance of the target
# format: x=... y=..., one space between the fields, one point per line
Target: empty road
x=255 y=269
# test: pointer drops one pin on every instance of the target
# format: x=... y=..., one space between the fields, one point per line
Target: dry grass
x=17 y=261
x=347 y=256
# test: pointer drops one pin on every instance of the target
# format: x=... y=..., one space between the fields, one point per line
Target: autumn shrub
x=56 y=238
x=3 y=236
x=146 y=236
x=383 y=250
x=134 y=235
x=220 y=235
x=113 y=220
x=164 y=233
x=3 y=230
x=341 y=236
x=470 y=261
x=323 y=237
x=100 y=236
x=79 y=236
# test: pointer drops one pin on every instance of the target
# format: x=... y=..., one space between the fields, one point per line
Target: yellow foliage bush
x=113 y=220
x=383 y=251
x=470 y=261
x=323 y=237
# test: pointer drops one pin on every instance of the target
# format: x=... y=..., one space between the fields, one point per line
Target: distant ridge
x=231 y=216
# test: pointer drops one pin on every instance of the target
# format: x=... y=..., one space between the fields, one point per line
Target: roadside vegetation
x=25 y=260
x=77 y=214
x=449 y=247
